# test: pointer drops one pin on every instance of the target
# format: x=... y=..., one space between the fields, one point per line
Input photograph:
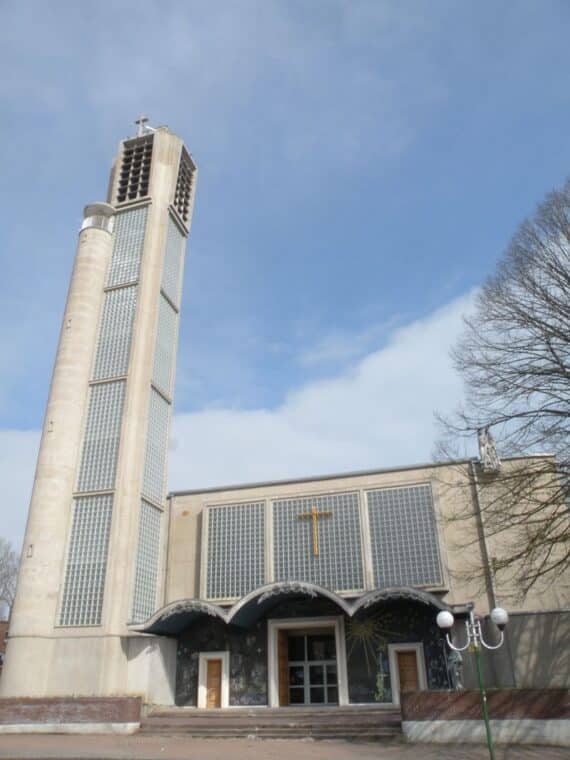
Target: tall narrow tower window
x=156 y=447
x=146 y=572
x=101 y=439
x=165 y=346
x=130 y=227
x=173 y=257
x=87 y=561
x=115 y=333
x=183 y=193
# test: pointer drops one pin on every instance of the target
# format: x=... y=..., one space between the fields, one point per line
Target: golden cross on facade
x=314 y=515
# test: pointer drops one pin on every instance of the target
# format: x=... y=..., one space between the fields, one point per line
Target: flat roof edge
x=336 y=476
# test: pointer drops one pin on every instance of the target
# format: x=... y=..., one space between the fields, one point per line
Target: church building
x=315 y=591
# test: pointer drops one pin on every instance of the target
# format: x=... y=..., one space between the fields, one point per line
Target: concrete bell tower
x=93 y=555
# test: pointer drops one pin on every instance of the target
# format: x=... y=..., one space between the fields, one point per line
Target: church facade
x=318 y=591
x=326 y=591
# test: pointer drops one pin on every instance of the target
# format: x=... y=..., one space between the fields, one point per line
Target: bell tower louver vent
x=135 y=169
x=183 y=191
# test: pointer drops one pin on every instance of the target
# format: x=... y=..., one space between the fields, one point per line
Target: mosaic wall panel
x=146 y=570
x=115 y=333
x=236 y=558
x=128 y=246
x=403 y=535
x=338 y=565
x=101 y=437
x=84 y=583
x=367 y=639
x=156 y=448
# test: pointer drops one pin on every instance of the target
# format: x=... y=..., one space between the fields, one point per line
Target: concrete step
x=355 y=723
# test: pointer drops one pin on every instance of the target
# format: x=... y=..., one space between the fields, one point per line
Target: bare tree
x=514 y=358
x=8 y=575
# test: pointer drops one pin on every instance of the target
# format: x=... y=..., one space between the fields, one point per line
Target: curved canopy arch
x=173 y=618
x=390 y=593
x=259 y=601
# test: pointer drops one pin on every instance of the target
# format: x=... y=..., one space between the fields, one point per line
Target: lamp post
x=474 y=642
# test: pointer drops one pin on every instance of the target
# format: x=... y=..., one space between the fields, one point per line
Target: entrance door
x=214 y=683
x=312 y=669
x=408 y=671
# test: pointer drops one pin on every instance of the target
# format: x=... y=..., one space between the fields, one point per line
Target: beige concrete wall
x=93 y=665
x=540 y=644
x=461 y=542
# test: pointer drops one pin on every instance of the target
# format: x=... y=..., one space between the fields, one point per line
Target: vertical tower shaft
x=96 y=529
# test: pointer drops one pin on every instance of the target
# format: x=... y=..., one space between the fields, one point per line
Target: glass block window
x=165 y=346
x=338 y=565
x=156 y=447
x=84 y=583
x=128 y=246
x=115 y=333
x=101 y=437
x=146 y=571
x=236 y=554
x=403 y=534
x=172 y=267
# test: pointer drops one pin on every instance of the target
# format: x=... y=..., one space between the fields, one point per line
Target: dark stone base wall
x=535 y=704
x=367 y=639
x=70 y=710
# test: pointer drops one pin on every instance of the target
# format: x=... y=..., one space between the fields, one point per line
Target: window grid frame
x=129 y=237
x=101 y=436
x=115 y=333
x=147 y=563
x=84 y=580
x=173 y=262
x=342 y=565
x=165 y=346
x=222 y=582
x=156 y=447
x=410 y=550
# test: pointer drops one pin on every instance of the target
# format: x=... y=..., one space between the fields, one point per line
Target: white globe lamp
x=500 y=617
x=445 y=620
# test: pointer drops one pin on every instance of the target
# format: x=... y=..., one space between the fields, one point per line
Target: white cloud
x=341 y=345
x=377 y=413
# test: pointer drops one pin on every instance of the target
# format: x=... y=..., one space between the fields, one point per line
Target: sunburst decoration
x=369 y=634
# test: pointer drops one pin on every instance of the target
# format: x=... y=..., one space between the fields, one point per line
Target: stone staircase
x=362 y=723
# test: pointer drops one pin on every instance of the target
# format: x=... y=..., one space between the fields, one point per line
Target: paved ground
x=38 y=747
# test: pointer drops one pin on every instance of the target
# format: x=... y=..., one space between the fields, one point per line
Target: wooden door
x=408 y=671
x=213 y=683
x=283 y=667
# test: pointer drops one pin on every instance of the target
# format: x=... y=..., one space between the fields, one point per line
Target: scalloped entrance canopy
x=175 y=617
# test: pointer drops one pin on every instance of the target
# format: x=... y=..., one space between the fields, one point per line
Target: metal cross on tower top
x=141 y=122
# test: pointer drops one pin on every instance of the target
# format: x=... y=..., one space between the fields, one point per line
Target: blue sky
x=362 y=168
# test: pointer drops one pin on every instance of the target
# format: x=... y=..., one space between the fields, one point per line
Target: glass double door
x=312 y=669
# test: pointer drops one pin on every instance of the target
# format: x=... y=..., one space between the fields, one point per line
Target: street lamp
x=474 y=641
